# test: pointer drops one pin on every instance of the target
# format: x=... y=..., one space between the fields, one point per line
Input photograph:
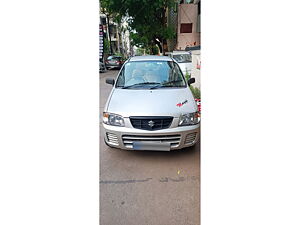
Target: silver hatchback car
x=151 y=107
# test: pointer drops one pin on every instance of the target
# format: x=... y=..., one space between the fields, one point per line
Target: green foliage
x=139 y=41
x=187 y=76
x=148 y=50
x=146 y=19
x=195 y=91
x=154 y=50
x=106 y=46
x=139 y=51
x=120 y=54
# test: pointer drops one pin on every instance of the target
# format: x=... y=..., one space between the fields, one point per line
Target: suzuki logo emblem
x=151 y=123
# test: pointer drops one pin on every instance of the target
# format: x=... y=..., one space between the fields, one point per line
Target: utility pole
x=118 y=37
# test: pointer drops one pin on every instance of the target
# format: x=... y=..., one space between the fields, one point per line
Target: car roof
x=150 y=57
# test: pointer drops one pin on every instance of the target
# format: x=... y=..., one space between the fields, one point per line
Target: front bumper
x=178 y=137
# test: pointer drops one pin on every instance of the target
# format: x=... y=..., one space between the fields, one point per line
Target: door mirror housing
x=110 y=81
x=191 y=81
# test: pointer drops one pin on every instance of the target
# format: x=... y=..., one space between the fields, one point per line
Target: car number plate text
x=151 y=146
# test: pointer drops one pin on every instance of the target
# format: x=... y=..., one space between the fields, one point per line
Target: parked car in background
x=184 y=59
x=151 y=107
x=114 y=62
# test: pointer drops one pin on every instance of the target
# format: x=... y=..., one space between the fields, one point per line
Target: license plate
x=151 y=146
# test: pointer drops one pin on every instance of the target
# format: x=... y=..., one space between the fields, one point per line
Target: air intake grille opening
x=112 y=139
x=190 y=138
x=174 y=140
x=151 y=123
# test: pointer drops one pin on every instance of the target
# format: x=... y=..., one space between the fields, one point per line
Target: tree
x=106 y=45
x=146 y=19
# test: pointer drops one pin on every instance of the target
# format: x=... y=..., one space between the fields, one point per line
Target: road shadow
x=180 y=153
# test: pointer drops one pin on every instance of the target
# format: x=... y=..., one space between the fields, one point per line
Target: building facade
x=188 y=29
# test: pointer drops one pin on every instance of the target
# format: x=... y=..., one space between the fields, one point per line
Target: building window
x=186 y=28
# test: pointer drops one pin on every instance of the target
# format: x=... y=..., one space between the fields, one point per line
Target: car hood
x=156 y=102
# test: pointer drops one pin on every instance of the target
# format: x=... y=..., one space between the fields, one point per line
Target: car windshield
x=150 y=75
x=183 y=58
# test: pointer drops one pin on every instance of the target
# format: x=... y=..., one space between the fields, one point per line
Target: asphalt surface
x=145 y=187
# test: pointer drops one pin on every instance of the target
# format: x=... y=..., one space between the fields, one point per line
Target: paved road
x=147 y=188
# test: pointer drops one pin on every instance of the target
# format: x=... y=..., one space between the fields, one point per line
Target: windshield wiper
x=172 y=82
x=167 y=84
x=156 y=86
x=137 y=84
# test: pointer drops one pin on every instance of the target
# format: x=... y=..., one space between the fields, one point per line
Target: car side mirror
x=110 y=81
x=191 y=81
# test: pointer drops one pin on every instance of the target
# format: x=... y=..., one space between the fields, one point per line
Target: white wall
x=196 y=73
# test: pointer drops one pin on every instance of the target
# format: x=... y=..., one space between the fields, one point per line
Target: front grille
x=174 y=140
x=112 y=139
x=190 y=138
x=151 y=123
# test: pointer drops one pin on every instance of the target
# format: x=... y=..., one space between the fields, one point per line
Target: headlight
x=189 y=119
x=113 y=119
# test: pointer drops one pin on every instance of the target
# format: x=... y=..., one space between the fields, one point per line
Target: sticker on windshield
x=182 y=103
